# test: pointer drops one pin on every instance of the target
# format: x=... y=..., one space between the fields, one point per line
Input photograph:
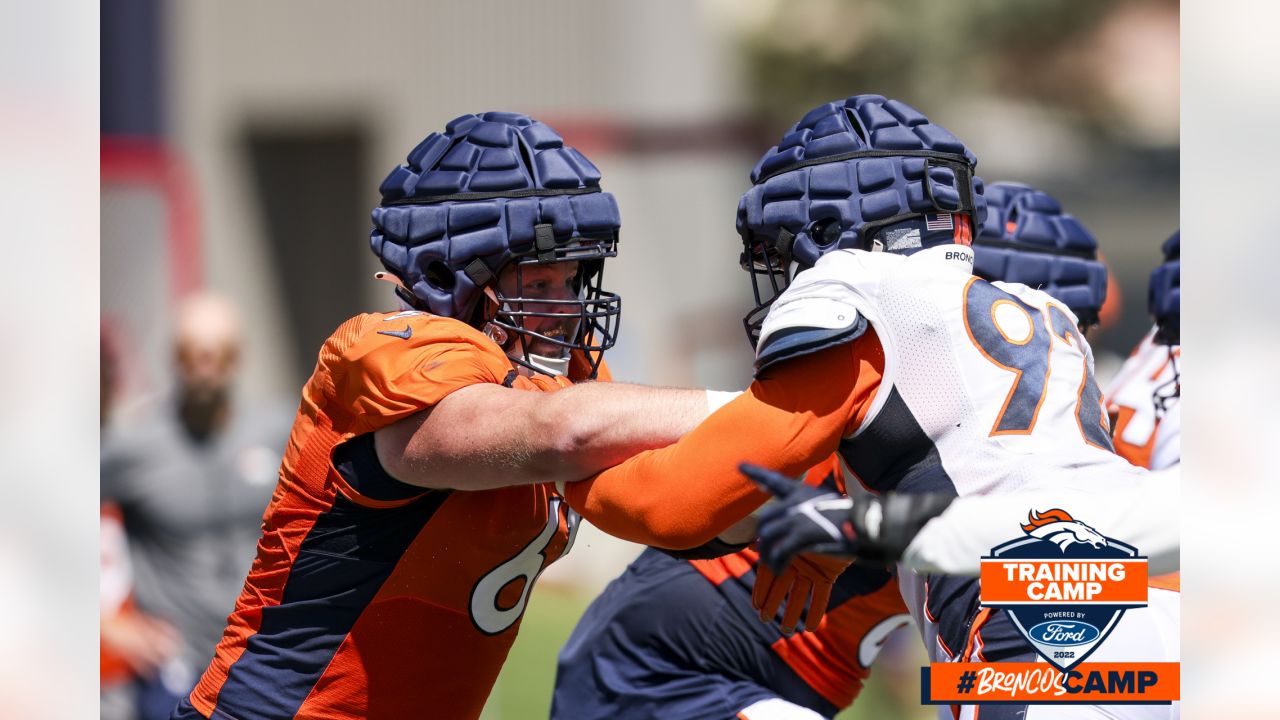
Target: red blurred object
x=141 y=161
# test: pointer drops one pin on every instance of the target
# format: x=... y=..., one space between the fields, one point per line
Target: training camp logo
x=1064 y=584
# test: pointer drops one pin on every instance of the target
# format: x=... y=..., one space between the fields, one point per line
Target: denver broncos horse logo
x=1058 y=527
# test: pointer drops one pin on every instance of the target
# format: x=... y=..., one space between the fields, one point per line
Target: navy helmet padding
x=484 y=191
x=862 y=163
x=1164 y=296
x=1027 y=238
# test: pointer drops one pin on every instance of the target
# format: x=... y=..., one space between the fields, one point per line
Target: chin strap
x=402 y=292
x=495 y=332
x=550 y=365
x=388 y=277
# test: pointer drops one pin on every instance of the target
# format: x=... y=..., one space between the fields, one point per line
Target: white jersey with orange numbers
x=1143 y=405
x=987 y=387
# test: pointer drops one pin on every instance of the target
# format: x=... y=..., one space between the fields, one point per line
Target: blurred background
x=242 y=144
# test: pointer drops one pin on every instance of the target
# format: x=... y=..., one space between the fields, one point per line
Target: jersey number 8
x=526 y=565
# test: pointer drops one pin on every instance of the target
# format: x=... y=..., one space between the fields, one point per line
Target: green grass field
x=523 y=690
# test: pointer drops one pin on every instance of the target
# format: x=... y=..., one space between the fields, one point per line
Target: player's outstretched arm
x=486 y=436
x=684 y=495
x=934 y=533
x=1145 y=514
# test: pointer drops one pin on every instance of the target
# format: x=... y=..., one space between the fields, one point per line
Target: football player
x=677 y=637
x=1145 y=433
x=1143 y=398
x=416 y=502
x=877 y=342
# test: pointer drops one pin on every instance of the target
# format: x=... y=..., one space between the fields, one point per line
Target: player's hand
x=870 y=528
x=804 y=519
x=805 y=587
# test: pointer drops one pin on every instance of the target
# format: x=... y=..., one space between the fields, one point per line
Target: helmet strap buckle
x=496 y=334
x=544 y=240
x=493 y=305
x=491 y=329
x=786 y=240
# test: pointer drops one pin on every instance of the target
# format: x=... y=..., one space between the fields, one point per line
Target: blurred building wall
x=380 y=76
x=391 y=72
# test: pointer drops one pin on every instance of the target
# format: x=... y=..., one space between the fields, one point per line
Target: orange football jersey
x=371 y=598
x=866 y=606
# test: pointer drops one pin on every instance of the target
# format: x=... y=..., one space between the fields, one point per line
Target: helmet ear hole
x=825 y=233
x=438 y=275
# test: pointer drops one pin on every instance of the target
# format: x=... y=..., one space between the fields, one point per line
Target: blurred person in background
x=121 y=641
x=187 y=483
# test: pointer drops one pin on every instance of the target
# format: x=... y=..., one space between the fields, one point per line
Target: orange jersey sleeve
x=381 y=368
x=790 y=419
x=827 y=471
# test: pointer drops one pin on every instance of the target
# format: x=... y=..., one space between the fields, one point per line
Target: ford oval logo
x=1064 y=633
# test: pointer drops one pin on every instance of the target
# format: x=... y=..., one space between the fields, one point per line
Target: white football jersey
x=1142 y=402
x=988 y=387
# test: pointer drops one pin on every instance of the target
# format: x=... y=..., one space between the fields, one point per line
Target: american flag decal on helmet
x=941 y=221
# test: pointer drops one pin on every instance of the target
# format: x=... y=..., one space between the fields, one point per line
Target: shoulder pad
x=383 y=367
x=369 y=340
x=817 y=311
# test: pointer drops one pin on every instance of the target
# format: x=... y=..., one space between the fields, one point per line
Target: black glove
x=869 y=528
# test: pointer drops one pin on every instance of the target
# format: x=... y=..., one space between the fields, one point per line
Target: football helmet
x=493 y=191
x=1165 y=292
x=1027 y=238
x=1164 y=296
x=865 y=172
